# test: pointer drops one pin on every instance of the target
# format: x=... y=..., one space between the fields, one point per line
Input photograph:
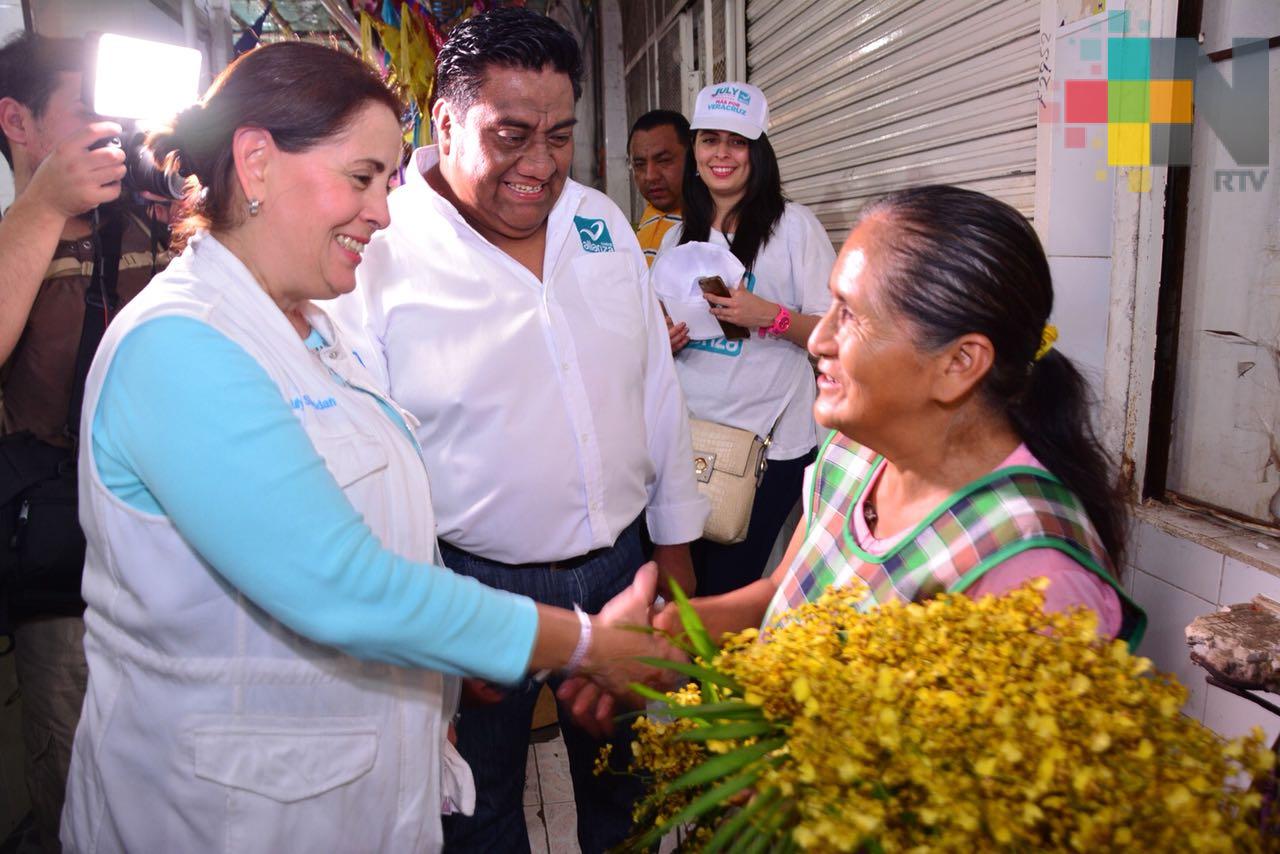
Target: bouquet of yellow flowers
x=951 y=725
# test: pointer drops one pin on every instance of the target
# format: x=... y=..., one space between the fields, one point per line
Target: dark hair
x=29 y=69
x=302 y=93
x=662 y=118
x=959 y=262
x=511 y=37
x=754 y=216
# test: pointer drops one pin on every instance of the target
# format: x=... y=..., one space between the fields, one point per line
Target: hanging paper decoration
x=401 y=39
x=252 y=35
x=408 y=38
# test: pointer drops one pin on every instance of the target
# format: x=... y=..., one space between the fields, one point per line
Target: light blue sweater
x=190 y=426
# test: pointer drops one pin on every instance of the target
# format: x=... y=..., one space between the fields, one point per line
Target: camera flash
x=140 y=79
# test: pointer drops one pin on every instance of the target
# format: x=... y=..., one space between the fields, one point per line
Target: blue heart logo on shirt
x=594 y=234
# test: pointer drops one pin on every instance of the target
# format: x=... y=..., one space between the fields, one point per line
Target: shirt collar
x=651 y=213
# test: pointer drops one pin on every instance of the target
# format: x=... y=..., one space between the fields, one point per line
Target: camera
x=125 y=85
x=142 y=173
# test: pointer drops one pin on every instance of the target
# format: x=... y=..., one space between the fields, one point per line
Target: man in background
x=507 y=308
x=46 y=134
x=656 y=148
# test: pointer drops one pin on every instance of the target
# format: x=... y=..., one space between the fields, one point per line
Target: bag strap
x=100 y=301
x=768 y=439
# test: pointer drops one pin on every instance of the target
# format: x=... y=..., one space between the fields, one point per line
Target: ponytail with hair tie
x=1047 y=338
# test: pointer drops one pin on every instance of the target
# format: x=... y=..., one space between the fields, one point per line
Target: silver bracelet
x=584 y=642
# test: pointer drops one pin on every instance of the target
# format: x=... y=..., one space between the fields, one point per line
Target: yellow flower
x=800 y=689
x=1177 y=797
x=955 y=725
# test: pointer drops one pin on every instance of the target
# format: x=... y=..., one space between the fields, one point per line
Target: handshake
x=633 y=625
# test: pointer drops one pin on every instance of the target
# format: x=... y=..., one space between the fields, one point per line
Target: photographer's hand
x=74 y=179
x=70 y=181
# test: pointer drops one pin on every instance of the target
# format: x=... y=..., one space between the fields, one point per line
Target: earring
x=255 y=205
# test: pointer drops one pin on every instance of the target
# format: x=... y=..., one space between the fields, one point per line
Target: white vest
x=208 y=725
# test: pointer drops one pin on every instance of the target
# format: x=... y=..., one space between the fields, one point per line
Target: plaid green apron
x=992 y=519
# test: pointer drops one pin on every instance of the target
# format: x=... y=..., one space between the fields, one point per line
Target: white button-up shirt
x=550 y=412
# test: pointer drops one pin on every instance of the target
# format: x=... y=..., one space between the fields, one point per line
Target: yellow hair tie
x=1047 y=337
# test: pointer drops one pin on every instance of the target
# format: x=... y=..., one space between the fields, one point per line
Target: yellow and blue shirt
x=653 y=225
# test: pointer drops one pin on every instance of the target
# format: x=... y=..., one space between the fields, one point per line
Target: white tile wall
x=1241 y=582
x=1169 y=611
x=1232 y=716
x=1081 y=294
x=1184 y=564
x=1253 y=548
x=1176 y=580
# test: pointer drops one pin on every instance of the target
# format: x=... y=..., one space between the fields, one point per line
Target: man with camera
x=73 y=254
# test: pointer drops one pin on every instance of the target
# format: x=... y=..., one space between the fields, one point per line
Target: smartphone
x=715 y=286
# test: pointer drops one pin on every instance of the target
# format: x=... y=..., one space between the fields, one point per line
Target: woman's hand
x=743 y=308
x=668 y=622
x=620 y=636
x=678 y=333
x=611 y=666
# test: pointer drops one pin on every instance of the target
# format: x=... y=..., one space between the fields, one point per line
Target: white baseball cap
x=737 y=107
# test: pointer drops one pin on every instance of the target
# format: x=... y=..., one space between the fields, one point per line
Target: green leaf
x=694 y=671
x=728 y=710
x=726 y=763
x=649 y=693
x=703 y=804
x=729 y=828
x=768 y=826
x=743 y=729
x=692 y=623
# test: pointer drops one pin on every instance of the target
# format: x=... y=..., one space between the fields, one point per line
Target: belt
x=567 y=563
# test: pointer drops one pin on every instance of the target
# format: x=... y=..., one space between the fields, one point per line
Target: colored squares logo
x=1171 y=102
x=1086 y=102
x=1145 y=101
x=1128 y=59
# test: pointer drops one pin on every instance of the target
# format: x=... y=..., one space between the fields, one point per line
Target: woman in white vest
x=763 y=383
x=268 y=626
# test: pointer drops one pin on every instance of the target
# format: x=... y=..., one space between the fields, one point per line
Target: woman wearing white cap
x=764 y=383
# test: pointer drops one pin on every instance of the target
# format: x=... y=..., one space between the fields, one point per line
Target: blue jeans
x=494 y=739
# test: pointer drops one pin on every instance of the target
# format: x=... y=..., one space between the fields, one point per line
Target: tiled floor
x=548 y=799
x=549 y=811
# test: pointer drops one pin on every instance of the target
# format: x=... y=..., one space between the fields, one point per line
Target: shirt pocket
x=286 y=759
x=609 y=288
x=350 y=456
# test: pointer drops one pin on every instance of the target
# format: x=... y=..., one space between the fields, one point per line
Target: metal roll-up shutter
x=869 y=97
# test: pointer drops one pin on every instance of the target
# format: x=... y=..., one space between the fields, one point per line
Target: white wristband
x=584 y=642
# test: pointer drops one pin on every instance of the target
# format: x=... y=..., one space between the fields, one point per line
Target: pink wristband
x=584 y=642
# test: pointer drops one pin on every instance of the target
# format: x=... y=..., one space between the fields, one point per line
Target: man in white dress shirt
x=508 y=309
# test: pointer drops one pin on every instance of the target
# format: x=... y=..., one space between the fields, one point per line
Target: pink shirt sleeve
x=1070 y=584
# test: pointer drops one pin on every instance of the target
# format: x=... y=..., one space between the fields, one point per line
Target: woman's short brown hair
x=300 y=92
